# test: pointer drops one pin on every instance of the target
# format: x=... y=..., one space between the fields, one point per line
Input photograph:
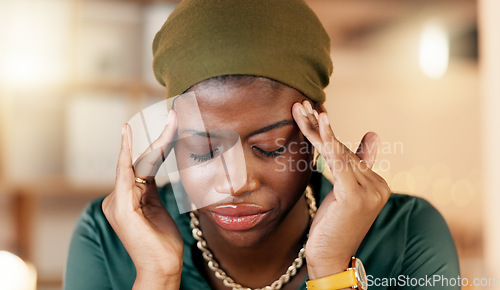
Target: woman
x=256 y=69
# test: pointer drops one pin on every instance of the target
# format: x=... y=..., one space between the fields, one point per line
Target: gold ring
x=140 y=180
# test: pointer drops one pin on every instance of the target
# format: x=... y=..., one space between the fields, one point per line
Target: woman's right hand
x=137 y=215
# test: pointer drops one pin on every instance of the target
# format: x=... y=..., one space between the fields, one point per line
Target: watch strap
x=346 y=279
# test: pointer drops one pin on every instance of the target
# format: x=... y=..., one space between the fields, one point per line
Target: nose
x=236 y=187
x=236 y=174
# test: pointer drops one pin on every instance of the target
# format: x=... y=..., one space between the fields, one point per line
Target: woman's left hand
x=358 y=196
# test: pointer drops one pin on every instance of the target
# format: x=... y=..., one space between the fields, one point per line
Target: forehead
x=249 y=91
x=239 y=106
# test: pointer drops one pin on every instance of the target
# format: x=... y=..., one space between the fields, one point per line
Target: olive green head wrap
x=278 y=39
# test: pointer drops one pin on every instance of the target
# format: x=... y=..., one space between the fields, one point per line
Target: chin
x=245 y=239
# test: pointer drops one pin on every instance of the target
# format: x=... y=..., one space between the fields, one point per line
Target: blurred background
x=424 y=75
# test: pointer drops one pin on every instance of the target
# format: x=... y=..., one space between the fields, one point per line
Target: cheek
x=198 y=184
x=208 y=182
x=197 y=178
x=296 y=160
x=292 y=169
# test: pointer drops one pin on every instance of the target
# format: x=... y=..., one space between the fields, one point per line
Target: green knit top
x=409 y=246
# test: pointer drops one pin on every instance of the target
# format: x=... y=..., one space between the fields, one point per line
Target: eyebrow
x=276 y=125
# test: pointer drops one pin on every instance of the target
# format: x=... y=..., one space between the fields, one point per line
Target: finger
x=360 y=170
x=147 y=165
x=334 y=152
x=368 y=148
x=333 y=148
x=124 y=170
x=313 y=118
x=311 y=132
x=321 y=136
x=329 y=140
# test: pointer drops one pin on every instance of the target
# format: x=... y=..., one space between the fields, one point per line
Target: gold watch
x=353 y=277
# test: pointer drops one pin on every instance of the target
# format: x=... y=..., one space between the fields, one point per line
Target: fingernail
x=326 y=120
x=303 y=111
x=316 y=114
x=123 y=129
x=309 y=107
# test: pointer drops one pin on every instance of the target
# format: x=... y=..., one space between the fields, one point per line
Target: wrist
x=325 y=267
x=156 y=282
x=161 y=268
x=353 y=277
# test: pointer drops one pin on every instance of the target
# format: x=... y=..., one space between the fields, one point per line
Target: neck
x=267 y=260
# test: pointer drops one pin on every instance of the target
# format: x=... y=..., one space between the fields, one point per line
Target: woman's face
x=244 y=162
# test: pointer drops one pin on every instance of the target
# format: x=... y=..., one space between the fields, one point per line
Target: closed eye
x=274 y=153
x=204 y=158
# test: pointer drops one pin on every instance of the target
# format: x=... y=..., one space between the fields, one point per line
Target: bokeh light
x=434 y=50
x=15 y=274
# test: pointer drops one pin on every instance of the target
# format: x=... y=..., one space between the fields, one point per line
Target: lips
x=238 y=217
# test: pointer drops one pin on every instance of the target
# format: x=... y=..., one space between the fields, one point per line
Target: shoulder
x=408 y=207
x=97 y=258
x=413 y=215
x=402 y=217
x=409 y=217
x=409 y=240
x=93 y=210
x=92 y=219
x=93 y=228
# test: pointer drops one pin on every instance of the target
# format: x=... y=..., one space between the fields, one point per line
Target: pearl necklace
x=228 y=281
